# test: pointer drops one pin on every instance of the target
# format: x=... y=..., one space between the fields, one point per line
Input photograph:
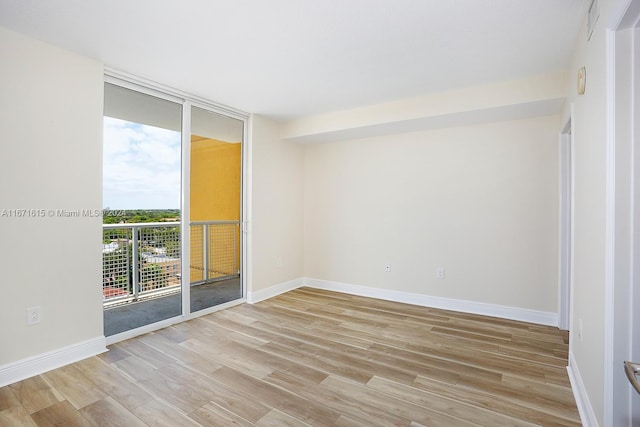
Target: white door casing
x=566 y=224
x=622 y=404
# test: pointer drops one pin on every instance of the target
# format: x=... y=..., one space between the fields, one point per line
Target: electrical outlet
x=440 y=273
x=387 y=267
x=33 y=315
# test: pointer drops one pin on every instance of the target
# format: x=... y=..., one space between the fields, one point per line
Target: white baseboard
x=31 y=366
x=272 y=291
x=587 y=416
x=512 y=313
x=504 y=312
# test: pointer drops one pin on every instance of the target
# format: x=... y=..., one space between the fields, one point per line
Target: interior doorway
x=566 y=230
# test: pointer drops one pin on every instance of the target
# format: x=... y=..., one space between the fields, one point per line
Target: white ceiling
x=292 y=58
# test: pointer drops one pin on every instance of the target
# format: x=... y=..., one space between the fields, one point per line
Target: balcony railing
x=156 y=249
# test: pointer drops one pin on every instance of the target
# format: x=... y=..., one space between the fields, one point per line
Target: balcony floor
x=134 y=315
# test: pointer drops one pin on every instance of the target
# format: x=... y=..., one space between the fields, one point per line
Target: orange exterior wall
x=215 y=180
x=215 y=195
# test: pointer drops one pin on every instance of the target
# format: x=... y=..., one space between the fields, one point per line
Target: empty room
x=302 y=213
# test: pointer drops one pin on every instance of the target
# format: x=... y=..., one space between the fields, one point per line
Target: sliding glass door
x=152 y=271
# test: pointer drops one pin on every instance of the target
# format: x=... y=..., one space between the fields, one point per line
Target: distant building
x=110 y=247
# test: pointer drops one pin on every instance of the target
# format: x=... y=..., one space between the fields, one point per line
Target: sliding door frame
x=187 y=101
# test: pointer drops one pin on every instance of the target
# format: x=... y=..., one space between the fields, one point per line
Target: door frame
x=185 y=201
x=635 y=301
x=623 y=199
x=566 y=200
x=188 y=100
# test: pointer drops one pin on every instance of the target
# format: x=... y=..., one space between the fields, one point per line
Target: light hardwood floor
x=312 y=357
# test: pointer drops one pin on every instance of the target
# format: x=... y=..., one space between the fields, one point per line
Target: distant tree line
x=149 y=239
x=129 y=216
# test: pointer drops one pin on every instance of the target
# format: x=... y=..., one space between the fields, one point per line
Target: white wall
x=480 y=201
x=589 y=152
x=277 y=212
x=601 y=234
x=50 y=158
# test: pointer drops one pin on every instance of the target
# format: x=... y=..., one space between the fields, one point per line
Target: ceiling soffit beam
x=510 y=100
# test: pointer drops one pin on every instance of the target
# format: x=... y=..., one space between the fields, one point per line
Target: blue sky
x=141 y=166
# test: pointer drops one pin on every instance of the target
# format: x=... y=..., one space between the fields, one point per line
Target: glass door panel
x=215 y=208
x=141 y=253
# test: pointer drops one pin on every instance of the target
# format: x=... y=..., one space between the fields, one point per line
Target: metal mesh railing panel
x=159 y=258
x=197 y=270
x=214 y=254
x=223 y=249
x=116 y=263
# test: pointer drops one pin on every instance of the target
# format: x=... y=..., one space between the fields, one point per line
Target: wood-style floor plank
x=162 y=414
x=77 y=389
x=443 y=404
x=313 y=358
x=8 y=399
x=61 y=414
x=108 y=412
x=212 y=415
x=16 y=416
x=34 y=394
x=114 y=383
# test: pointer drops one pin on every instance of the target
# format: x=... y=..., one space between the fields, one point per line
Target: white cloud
x=141 y=166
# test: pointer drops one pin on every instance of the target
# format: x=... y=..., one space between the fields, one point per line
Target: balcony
x=149 y=289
